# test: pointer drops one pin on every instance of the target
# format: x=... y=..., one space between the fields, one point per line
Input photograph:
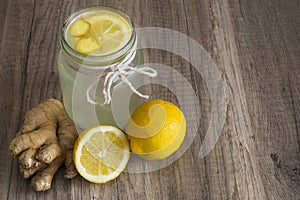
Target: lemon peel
x=101 y=153
x=162 y=143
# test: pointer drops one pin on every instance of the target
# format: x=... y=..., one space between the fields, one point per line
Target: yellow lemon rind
x=83 y=138
x=168 y=150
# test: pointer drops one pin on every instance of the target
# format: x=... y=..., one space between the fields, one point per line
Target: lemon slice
x=110 y=31
x=101 y=153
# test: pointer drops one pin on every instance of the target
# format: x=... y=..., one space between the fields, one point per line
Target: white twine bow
x=121 y=70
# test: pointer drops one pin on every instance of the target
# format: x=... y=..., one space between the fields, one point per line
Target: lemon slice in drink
x=100 y=34
x=101 y=153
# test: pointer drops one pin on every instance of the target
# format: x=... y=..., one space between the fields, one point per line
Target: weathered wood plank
x=234 y=156
x=269 y=56
x=14 y=49
x=255 y=44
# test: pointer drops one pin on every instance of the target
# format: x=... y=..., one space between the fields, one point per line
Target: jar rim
x=68 y=49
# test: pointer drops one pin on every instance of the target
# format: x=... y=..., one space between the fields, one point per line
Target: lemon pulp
x=99 y=34
x=101 y=153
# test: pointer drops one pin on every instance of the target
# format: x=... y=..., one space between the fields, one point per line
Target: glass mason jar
x=78 y=72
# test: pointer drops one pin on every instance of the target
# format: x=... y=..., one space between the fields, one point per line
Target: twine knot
x=121 y=70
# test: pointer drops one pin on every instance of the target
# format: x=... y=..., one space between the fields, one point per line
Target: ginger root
x=44 y=143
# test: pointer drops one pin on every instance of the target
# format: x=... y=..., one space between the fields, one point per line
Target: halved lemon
x=110 y=31
x=101 y=153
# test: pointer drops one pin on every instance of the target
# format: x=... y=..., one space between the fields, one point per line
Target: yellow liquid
x=75 y=84
x=99 y=34
x=74 y=96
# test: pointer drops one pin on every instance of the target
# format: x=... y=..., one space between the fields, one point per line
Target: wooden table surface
x=256 y=46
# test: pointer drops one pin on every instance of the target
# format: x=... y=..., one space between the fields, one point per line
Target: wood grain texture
x=256 y=46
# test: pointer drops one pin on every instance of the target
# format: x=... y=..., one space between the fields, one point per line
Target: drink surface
x=98 y=33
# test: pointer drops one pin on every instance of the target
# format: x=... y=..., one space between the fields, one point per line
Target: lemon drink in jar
x=92 y=39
